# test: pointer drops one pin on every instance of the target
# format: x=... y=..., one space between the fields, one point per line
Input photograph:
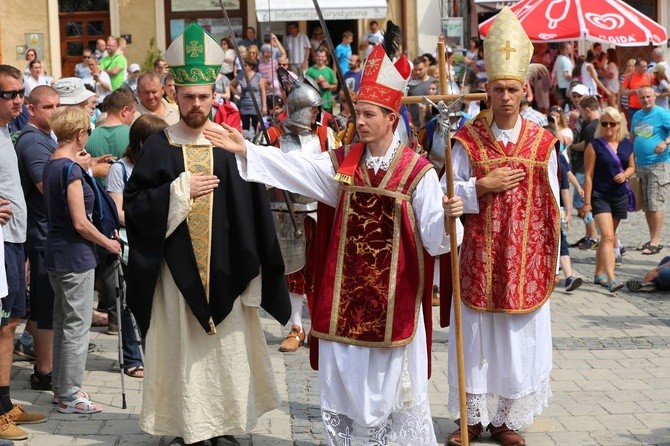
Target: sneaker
x=40 y=381
x=572 y=283
x=27 y=352
x=18 y=415
x=618 y=261
x=112 y=329
x=294 y=340
x=588 y=243
x=91 y=347
x=577 y=243
x=10 y=431
x=622 y=250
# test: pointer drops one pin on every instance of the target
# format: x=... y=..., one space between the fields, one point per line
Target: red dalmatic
x=509 y=251
x=372 y=285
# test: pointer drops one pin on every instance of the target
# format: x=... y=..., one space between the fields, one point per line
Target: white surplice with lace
x=369 y=396
x=508 y=357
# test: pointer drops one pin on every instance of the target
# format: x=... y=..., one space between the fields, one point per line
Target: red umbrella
x=606 y=21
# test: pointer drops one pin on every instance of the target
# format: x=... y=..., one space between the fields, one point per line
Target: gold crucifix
x=507 y=49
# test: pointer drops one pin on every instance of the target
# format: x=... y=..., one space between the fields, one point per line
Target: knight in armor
x=295 y=218
x=371 y=316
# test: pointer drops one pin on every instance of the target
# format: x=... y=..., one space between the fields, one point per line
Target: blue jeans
x=662 y=281
x=129 y=343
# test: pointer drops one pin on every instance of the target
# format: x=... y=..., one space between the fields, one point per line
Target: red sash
x=510 y=248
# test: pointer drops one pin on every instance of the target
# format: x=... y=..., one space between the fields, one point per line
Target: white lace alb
x=489 y=408
x=412 y=426
x=381 y=162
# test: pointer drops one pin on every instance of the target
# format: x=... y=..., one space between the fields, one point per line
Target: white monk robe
x=368 y=395
x=508 y=357
x=191 y=377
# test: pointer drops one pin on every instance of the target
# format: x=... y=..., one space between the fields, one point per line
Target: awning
x=493 y=5
x=296 y=10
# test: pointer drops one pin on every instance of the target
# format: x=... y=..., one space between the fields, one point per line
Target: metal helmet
x=299 y=103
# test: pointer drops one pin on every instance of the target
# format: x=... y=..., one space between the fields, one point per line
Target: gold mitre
x=507 y=48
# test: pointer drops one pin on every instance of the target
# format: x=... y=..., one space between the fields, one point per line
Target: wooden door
x=80 y=30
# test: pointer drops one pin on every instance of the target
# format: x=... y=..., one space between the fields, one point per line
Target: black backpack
x=104 y=218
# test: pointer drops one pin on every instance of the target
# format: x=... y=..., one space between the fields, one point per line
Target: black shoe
x=577 y=243
x=225 y=440
x=112 y=329
x=40 y=381
x=91 y=347
x=27 y=352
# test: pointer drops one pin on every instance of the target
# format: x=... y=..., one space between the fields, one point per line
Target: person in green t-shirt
x=325 y=77
x=114 y=63
x=112 y=137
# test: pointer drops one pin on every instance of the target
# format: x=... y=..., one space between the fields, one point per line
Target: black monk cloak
x=243 y=239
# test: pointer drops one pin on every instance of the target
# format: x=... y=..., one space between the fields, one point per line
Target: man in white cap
x=505 y=169
x=372 y=311
x=130 y=83
x=204 y=256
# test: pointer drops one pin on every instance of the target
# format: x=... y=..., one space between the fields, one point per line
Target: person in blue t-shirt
x=650 y=133
x=343 y=51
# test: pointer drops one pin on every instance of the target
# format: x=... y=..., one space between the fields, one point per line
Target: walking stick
x=117 y=284
x=455 y=275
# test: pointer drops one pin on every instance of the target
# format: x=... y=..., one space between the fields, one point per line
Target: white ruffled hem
x=411 y=426
x=493 y=409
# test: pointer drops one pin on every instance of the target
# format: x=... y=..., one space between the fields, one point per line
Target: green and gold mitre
x=507 y=48
x=195 y=57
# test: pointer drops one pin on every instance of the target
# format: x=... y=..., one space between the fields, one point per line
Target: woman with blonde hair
x=564 y=133
x=70 y=256
x=608 y=163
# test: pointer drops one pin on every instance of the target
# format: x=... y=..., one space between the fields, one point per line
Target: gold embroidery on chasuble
x=377 y=290
x=199 y=158
x=514 y=237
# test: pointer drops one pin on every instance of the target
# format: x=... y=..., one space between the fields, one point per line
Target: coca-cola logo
x=605 y=21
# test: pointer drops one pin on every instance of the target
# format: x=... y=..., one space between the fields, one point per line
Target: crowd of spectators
x=611 y=121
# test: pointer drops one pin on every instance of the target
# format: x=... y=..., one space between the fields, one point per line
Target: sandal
x=134 y=372
x=643 y=246
x=600 y=280
x=652 y=249
x=614 y=285
x=72 y=406
x=56 y=399
x=640 y=287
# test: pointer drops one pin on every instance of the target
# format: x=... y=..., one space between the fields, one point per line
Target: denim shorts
x=14 y=305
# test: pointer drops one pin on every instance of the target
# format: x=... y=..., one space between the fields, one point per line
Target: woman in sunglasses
x=608 y=163
x=70 y=257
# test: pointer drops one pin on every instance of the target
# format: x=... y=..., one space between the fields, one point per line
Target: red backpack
x=228 y=114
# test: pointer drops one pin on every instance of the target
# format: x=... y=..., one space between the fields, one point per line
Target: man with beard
x=204 y=256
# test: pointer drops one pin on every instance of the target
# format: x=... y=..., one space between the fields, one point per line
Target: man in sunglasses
x=13 y=217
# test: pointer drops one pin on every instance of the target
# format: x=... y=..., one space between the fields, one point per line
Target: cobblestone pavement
x=611 y=378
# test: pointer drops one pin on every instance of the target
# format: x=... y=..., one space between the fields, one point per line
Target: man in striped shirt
x=298 y=49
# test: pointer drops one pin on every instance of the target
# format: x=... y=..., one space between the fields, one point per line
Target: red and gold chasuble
x=372 y=284
x=510 y=248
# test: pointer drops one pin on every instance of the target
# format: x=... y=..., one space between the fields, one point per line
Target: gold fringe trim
x=342 y=178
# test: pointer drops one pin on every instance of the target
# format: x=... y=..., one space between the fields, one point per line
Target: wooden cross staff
x=455 y=275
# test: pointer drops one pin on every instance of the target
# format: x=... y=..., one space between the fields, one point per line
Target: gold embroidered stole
x=199 y=158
